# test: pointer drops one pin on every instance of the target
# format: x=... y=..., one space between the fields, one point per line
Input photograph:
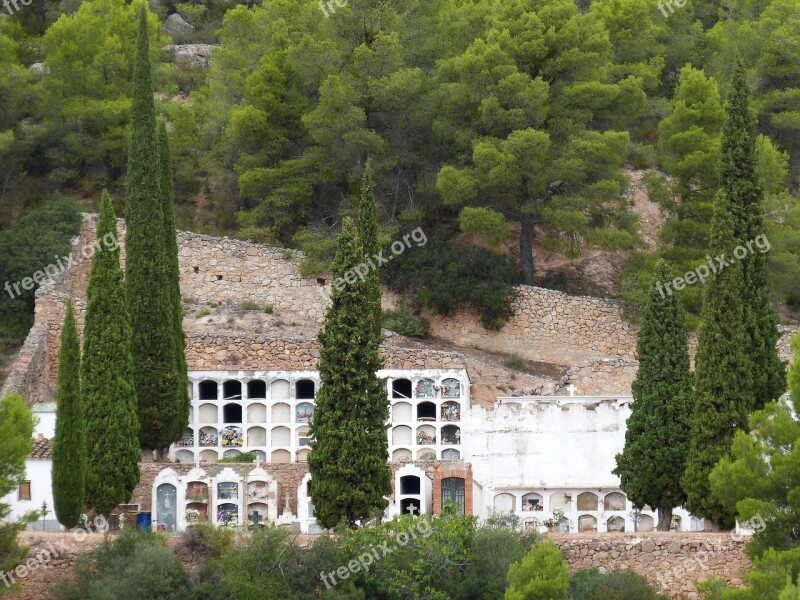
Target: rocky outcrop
x=176 y=25
x=194 y=55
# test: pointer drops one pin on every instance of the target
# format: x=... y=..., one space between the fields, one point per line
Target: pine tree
x=69 y=445
x=723 y=372
x=349 y=452
x=657 y=437
x=368 y=235
x=155 y=377
x=112 y=427
x=173 y=282
x=742 y=185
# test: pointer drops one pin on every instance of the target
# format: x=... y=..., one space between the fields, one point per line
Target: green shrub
x=591 y=584
x=246 y=457
x=133 y=565
x=250 y=305
x=203 y=312
x=445 y=275
x=641 y=156
x=208 y=540
x=269 y=309
x=404 y=323
x=541 y=574
x=517 y=362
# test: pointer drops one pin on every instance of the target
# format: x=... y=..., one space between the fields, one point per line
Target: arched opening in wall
x=302 y=455
x=232 y=390
x=280 y=389
x=401 y=436
x=256 y=389
x=185 y=457
x=401 y=388
x=232 y=413
x=615 y=524
x=531 y=524
x=426 y=434
x=257 y=514
x=451 y=411
x=560 y=501
x=426 y=454
x=167 y=507
x=260 y=455
x=425 y=388
x=231 y=436
x=588 y=501
x=302 y=437
x=587 y=523
x=505 y=503
x=532 y=502
x=191 y=412
x=197 y=491
x=208 y=414
x=230 y=454
x=257 y=413
x=563 y=525
x=281 y=436
x=304 y=389
x=645 y=524
x=196 y=512
x=187 y=439
x=281 y=413
x=281 y=456
x=304 y=412
x=410 y=506
x=451 y=388
x=209 y=437
x=228 y=514
x=410 y=485
x=208 y=456
x=451 y=435
x=426 y=411
x=453 y=491
x=451 y=454
x=614 y=501
x=209 y=390
x=228 y=490
x=402 y=455
x=401 y=412
x=256 y=436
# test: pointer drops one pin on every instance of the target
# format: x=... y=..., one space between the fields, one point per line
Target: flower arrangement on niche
x=558 y=514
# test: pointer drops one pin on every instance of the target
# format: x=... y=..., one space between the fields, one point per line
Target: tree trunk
x=526 y=249
x=664 y=518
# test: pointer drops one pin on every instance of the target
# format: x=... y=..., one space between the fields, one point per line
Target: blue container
x=143 y=521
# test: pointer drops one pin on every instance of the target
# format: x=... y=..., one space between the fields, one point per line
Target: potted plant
x=553 y=521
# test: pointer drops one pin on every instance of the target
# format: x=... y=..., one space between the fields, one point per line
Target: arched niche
x=185 y=457
x=304 y=389
x=645 y=524
x=451 y=388
x=587 y=523
x=303 y=438
x=588 y=501
x=451 y=454
x=615 y=524
x=401 y=388
x=401 y=436
x=281 y=413
x=302 y=455
x=281 y=456
x=257 y=388
x=401 y=412
x=425 y=388
x=451 y=411
x=232 y=413
x=167 y=507
x=281 y=436
x=426 y=454
x=207 y=415
x=231 y=453
x=402 y=455
x=505 y=502
x=209 y=456
x=532 y=502
x=209 y=436
x=304 y=412
x=614 y=501
x=426 y=434
x=256 y=436
x=257 y=413
x=208 y=390
x=560 y=501
x=410 y=485
x=232 y=390
x=280 y=389
x=231 y=436
x=187 y=439
x=451 y=435
x=228 y=514
x=426 y=411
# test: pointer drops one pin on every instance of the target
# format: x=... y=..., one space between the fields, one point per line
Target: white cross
x=571 y=388
x=412 y=509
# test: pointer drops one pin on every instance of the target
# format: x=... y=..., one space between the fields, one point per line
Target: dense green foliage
x=541 y=575
x=69 y=443
x=349 y=450
x=653 y=461
x=16 y=432
x=445 y=276
x=173 y=280
x=39 y=239
x=158 y=384
x=109 y=400
x=368 y=235
x=132 y=565
x=402 y=321
x=591 y=584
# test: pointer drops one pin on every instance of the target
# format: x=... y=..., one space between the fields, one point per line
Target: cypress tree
x=368 y=235
x=173 y=282
x=742 y=185
x=349 y=452
x=657 y=437
x=155 y=376
x=69 y=445
x=112 y=427
x=723 y=371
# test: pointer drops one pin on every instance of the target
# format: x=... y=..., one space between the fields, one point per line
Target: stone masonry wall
x=670 y=561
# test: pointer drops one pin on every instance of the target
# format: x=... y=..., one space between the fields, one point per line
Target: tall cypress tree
x=349 y=452
x=723 y=371
x=368 y=235
x=69 y=445
x=155 y=376
x=112 y=427
x=181 y=416
x=657 y=437
x=742 y=185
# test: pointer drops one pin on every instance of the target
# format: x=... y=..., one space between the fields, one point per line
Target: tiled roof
x=42 y=448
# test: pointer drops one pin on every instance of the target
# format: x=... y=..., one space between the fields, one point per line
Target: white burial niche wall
x=268 y=413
